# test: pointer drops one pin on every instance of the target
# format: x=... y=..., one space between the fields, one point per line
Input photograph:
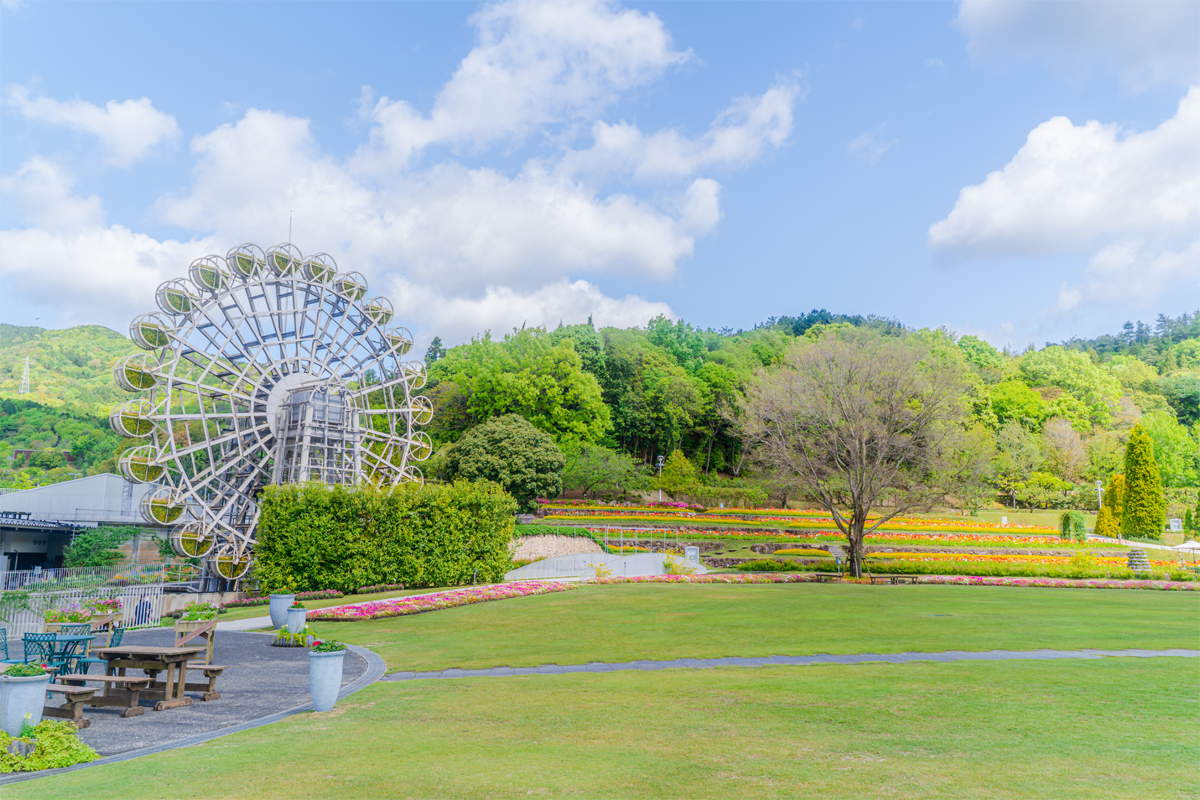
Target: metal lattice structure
x=264 y=367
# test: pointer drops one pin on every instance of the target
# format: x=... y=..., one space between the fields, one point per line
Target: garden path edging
x=376 y=668
x=772 y=661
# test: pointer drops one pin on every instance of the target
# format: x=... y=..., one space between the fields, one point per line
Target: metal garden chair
x=84 y=663
x=39 y=649
x=75 y=651
x=4 y=644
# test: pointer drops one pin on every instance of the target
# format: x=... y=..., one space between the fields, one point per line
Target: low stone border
x=376 y=668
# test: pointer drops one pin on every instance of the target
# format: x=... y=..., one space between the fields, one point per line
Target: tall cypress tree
x=1106 y=523
x=1114 y=495
x=1144 y=508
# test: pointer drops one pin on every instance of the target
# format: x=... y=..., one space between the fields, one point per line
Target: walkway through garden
x=773 y=661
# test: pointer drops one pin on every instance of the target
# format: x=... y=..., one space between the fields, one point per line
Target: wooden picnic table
x=153 y=660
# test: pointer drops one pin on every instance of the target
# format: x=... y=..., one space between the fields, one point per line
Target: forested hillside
x=66 y=367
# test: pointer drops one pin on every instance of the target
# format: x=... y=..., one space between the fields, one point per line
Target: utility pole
x=25 y=379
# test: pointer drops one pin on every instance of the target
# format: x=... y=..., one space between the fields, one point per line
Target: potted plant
x=296 y=617
x=325 y=673
x=57 y=617
x=23 y=696
x=280 y=603
x=106 y=614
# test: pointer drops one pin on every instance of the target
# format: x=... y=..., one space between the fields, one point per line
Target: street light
x=1099 y=493
x=660 y=461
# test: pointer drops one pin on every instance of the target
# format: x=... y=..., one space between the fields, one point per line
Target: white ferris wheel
x=264 y=368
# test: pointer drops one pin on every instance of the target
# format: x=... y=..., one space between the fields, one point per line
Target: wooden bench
x=120 y=691
x=826 y=577
x=208 y=690
x=76 y=697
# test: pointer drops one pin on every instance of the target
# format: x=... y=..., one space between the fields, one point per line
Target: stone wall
x=531 y=547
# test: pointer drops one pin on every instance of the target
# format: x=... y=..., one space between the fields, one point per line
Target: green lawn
x=631 y=621
x=1070 y=729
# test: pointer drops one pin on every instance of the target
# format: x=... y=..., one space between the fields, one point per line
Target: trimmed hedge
x=312 y=536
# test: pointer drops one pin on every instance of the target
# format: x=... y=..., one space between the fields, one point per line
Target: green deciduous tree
x=1143 y=508
x=97 y=547
x=1175 y=448
x=1018 y=454
x=1013 y=401
x=508 y=450
x=592 y=468
x=1072 y=371
x=678 y=474
x=526 y=374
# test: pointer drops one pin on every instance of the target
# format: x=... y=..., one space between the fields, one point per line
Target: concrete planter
x=21 y=696
x=296 y=619
x=280 y=603
x=325 y=678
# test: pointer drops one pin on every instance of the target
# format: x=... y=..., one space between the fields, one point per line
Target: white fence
x=142 y=606
x=84 y=577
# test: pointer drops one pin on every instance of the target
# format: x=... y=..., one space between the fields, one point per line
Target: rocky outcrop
x=528 y=548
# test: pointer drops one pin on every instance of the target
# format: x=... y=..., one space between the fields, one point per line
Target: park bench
x=827 y=577
x=72 y=709
x=208 y=690
x=120 y=691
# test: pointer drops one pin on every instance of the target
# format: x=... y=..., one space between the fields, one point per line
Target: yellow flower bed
x=800 y=552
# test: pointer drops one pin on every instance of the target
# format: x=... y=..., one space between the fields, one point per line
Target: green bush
x=513 y=453
x=1072 y=525
x=778 y=565
x=57 y=746
x=312 y=536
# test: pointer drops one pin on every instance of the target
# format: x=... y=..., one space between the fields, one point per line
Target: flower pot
x=295 y=619
x=21 y=696
x=325 y=677
x=280 y=603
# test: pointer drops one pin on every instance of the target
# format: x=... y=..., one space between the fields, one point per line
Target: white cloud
x=936 y=62
x=1070 y=185
x=129 y=130
x=501 y=308
x=458 y=249
x=868 y=149
x=1130 y=200
x=41 y=192
x=736 y=137
x=1145 y=43
x=536 y=64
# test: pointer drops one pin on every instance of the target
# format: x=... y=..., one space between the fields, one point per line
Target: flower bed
x=403 y=606
x=877 y=538
x=381 y=587
x=795 y=519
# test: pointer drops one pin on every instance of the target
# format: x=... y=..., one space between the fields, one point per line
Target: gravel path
x=771 y=661
x=261 y=680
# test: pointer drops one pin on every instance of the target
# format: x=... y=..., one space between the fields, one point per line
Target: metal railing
x=67 y=578
x=141 y=606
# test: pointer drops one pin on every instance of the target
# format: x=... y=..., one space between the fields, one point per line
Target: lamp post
x=1099 y=493
x=659 y=461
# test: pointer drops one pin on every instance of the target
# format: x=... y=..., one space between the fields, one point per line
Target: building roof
x=105 y=499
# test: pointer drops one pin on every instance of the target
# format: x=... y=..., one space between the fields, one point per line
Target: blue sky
x=1021 y=171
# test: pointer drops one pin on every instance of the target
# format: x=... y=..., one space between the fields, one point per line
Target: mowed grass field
x=1112 y=727
x=627 y=622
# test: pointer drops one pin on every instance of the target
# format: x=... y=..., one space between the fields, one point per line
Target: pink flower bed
x=402 y=606
x=1063 y=583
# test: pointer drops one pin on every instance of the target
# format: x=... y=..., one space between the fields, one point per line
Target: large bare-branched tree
x=861 y=420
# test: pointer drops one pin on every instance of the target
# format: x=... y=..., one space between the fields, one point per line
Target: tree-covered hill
x=71 y=367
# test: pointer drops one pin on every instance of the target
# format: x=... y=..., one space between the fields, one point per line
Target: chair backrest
x=4 y=641
x=115 y=639
x=84 y=629
x=38 y=646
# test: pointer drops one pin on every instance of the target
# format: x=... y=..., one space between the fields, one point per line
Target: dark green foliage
x=97 y=547
x=1072 y=525
x=1143 y=509
x=511 y=452
x=314 y=537
x=47 y=458
x=435 y=351
x=778 y=565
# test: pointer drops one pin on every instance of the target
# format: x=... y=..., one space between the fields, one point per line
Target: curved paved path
x=772 y=661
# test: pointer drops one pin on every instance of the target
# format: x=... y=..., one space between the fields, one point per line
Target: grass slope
x=629 y=622
x=1093 y=729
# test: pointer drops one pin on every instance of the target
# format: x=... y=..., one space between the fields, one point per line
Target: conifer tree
x=1114 y=496
x=1187 y=520
x=1106 y=523
x=1143 y=507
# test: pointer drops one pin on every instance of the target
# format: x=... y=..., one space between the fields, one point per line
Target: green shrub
x=57 y=746
x=513 y=453
x=312 y=536
x=777 y=565
x=1072 y=525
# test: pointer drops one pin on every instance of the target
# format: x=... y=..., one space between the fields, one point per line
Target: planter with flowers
x=22 y=696
x=71 y=615
x=197 y=620
x=107 y=614
x=296 y=616
x=325 y=673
